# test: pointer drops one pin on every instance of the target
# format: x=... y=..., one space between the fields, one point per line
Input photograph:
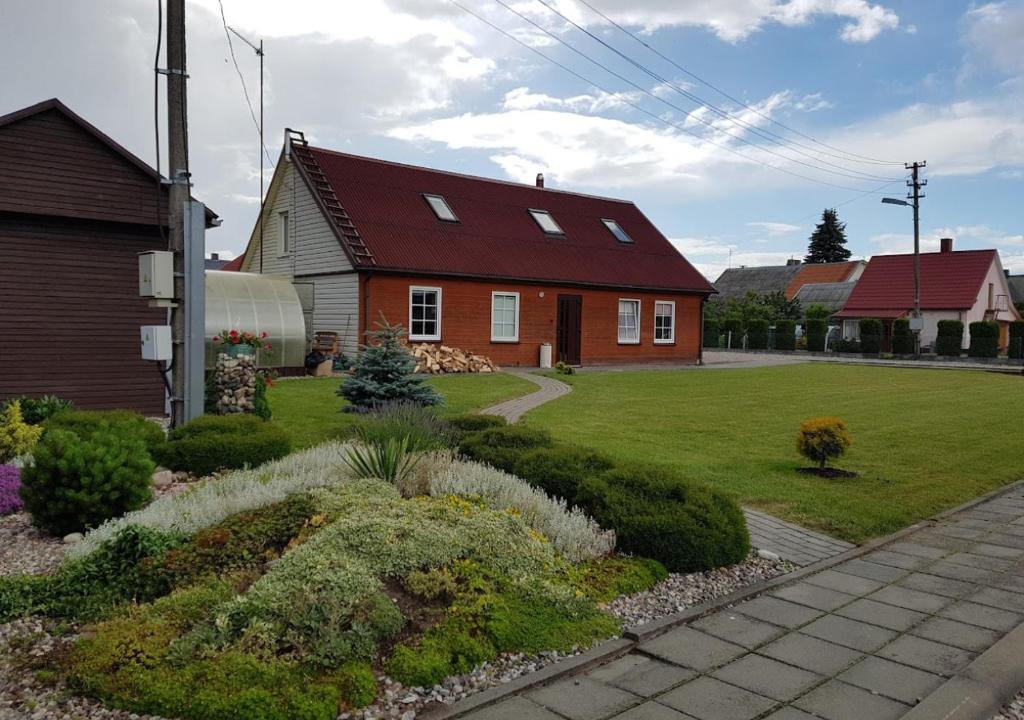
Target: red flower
x=269 y=382
x=216 y=338
x=268 y=346
x=263 y=335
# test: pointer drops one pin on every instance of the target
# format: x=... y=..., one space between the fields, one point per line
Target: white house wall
x=336 y=308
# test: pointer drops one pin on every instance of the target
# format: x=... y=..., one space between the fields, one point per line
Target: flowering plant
x=10 y=483
x=237 y=337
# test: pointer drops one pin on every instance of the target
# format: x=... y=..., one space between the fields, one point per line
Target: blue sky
x=421 y=81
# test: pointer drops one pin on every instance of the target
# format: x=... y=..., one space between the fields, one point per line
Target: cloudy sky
x=731 y=123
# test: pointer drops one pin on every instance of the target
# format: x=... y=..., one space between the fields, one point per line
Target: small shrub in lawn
x=558 y=471
x=902 y=338
x=420 y=427
x=10 y=484
x=870 y=336
x=383 y=373
x=564 y=368
x=471 y=423
x=219 y=442
x=124 y=423
x=17 y=437
x=74 y=483
x=757 y=334
x=817 y=331
x=712 y=333
x=732 y=327
x=36 y=410
x=502 y=447
x=984 y=339
x=1016 y=349
x=823 y=439
x=950 y=338
x=657 y=514
x=785 y=335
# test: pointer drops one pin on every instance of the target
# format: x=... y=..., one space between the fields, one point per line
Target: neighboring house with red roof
x=965 y=285
x=789 y=279
x=492 y=267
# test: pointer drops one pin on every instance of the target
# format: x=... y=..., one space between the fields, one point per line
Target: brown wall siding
x=70 y=313
x=466 y=314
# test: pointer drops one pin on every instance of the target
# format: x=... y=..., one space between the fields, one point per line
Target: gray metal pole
x=915 y=183
x=178 y=199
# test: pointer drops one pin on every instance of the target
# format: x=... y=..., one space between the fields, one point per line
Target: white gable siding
x=336 y=308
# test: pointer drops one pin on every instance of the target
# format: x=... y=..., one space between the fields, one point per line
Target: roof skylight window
x=617 y=231
x=440 y=207
x=546 y=222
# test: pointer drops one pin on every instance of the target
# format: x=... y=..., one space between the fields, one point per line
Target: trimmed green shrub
x=75 y=483
x=902 y=338
x=950 y=338
x=657 y=514
x=984 y=339
x=503 y=446
x=732 y=325
x=712 y=333
x=470 y=423
x=17 y=437
x=785 y=335
x=564 y=368
x=260 y=401
x=870 y=335
x=36 y=410
x=123 y=423
x=558 y=471
x=218 y=442
x=757 y=334
x=1016 y=349
x=817 y=331
x=823 y=438
x=818 y=312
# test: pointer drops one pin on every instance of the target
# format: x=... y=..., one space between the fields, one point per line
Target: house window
x=504 y=317
x=664 y=322
x=286 y=233
x=629 y=322
x=617 y=231
x=440 y=207
x=424 y=313
x=546 y=222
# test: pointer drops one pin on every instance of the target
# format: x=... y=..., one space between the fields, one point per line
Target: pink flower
x=216 y=338
x=268 y=346
x=263 y=335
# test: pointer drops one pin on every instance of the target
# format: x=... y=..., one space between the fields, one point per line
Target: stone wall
x=234 y=384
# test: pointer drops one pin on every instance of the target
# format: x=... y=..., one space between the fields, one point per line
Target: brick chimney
x=946 y=245
x=792 y=261
x=215 y=256
x=540 y=180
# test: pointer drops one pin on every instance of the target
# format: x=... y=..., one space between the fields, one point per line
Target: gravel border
x=1013 y=710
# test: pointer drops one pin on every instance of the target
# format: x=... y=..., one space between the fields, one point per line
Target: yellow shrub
x=823 y=438
x=16 y=436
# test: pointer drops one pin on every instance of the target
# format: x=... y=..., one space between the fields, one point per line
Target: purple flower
x=10 y=483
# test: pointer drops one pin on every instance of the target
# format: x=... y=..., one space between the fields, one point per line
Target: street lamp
x=914 y=201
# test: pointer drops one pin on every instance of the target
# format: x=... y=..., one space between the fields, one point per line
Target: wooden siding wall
x=51 y=166
x=70 y=313
x=336 y=308
x=466 y=319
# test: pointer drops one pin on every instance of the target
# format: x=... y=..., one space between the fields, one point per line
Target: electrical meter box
x=156 y=274
x=156 y=342
x=916 y=324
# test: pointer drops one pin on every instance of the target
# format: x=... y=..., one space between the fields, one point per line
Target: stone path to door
x=865 y=639
x=512 y=410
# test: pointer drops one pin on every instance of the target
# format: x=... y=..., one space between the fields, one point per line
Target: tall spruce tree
x=828 y=241
x=384 y=373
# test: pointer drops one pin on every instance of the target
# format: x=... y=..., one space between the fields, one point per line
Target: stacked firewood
x=438 y=359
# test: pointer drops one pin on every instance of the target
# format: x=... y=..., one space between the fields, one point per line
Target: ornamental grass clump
x=388 y=459
x=17 y=437
x=823 y=439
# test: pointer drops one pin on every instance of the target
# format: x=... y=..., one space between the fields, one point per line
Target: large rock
x=162 y=478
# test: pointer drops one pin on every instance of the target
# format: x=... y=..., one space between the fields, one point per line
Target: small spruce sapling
x=383 y=373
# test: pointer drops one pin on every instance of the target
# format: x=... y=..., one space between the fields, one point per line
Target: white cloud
x=775 y=228
x=712 y=257
x=812 y=103
x=522 y=98
x=995 y=31
x=964 y=237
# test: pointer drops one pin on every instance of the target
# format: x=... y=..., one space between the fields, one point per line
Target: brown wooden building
x=75 y=210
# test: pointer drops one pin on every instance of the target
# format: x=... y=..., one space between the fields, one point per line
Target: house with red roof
x=488 y=266
x=964 y=285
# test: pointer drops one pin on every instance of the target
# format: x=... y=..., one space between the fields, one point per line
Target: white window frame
x=425 y=338
x=639 y=315
x=434 y=196
x=672 y=337
x=515 y=336
x=285 y=231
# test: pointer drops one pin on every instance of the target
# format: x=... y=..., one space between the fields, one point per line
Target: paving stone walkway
x=864 y=640
x=512 y=410
x=793 y=542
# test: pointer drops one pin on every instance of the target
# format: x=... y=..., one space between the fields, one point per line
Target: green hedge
x=559 y=471
x=785 y=335
x=502 y=447
x=870 y=336
x=950 y=338
x=470 y=423
x=757 y=335
x=1017 y=339
x=902 y=338
x=984 y=339
x=735 y=326
x=712 y=333
x=817 y=331
x=222 y=442
x=123 y=423
x=658 y=515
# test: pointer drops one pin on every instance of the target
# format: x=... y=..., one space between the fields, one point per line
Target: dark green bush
x=397 y=420
x=260 y=401
x=35 y=411
x=75 y=483
x=757 y=334
x=470 y=423
x=657 y=514
x=123 y=423
x=984 y=339
x=950 y=338
x=902 y=338
x=847 y=346
x=785 y=335
x=732 y=325
x=870 y=336
x=502 y=447
x=558 y=471
x=712 y=332
x=1016 y=349
x=817 y=330
x=222 y=442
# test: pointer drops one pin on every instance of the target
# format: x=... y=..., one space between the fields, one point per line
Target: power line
x=725 y=114
x=245 y=89
x=861 y=158
x=641 y=109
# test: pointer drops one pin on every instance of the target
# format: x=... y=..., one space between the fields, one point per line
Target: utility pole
x=915 y=196
x=178 y=196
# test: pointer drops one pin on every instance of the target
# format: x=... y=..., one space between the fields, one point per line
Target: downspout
x=366 y=308
x=700 y=333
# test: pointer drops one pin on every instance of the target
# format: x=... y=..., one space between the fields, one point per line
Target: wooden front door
x=570 y=328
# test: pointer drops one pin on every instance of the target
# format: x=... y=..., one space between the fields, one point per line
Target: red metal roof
x=949 y=281
x=233 y=265
x=495 y=236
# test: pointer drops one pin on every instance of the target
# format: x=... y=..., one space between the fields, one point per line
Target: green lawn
x=923 y=440
x=311 y=413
